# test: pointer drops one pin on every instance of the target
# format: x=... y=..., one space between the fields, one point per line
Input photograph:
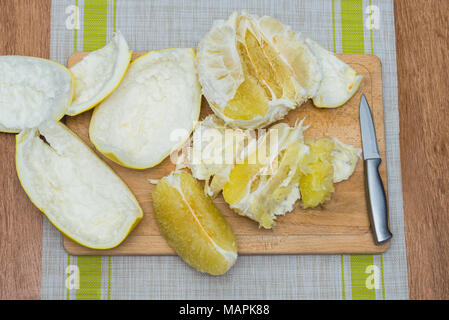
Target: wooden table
x=422 y=40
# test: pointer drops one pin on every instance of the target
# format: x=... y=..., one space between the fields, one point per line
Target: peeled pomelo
x=192 y=224
x=32 y=91
x=80 y=195
x=266 y=183
x=215 y=149
x=253 y=72
x=98 y=74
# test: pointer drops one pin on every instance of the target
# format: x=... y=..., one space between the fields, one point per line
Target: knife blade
x=377 y=202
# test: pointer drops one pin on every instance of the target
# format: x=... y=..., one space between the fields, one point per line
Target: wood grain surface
x=24 y=30
x=422 y=41
x=422 y=44
x=340 y=226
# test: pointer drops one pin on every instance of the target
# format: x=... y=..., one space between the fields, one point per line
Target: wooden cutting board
x=340 y=226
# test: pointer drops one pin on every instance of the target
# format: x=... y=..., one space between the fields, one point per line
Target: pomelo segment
x=266 y=184
x=245 y=80
x=255 y=69
x=214 y=150
x=252 y=72
x=290 y=50
x=192 y=224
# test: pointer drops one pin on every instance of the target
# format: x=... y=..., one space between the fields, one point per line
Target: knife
x=377 y=202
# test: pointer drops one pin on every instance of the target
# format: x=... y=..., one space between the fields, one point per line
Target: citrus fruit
x=253 y=70
x=266 y=184
x=192 y=224
x=215 y=149
x=246 y=78
x=316 y=178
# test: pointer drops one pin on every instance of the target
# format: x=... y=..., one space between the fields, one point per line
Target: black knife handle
x=377 y=202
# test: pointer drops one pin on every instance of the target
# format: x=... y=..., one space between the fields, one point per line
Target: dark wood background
x=422 y=43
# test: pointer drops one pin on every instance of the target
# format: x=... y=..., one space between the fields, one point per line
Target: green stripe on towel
x=352 y=26
x=90 y=278
x=94 y=31
x=353 y=42
x=360 y=277
x=95 y=24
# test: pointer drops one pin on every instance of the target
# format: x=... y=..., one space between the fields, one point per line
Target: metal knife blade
x=377 y=201
x=369 y=140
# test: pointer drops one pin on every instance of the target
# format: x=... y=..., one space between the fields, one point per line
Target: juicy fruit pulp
x=317 y=172
x=267 y=78
x=297 y=55
x=269 y=67
x=249 y=100
x=214 y=151
x=264 y=180
x=253 y=70
x=266 y=183
x=249 y=84
x=192 y=224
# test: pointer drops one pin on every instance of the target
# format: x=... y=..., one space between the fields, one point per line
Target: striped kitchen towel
x=343 y=26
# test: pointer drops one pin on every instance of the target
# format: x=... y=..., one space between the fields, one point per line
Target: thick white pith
x=152 y=112
x=77 y=191
x=32 y=91
x=98 y=74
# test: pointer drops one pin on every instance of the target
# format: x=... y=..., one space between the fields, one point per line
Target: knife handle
x=377 y=202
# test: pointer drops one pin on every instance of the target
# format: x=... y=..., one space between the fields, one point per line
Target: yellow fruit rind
x=72 y=84
x=131 y=228
x=113 y=157
x=358 y=81
x=101 y=100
